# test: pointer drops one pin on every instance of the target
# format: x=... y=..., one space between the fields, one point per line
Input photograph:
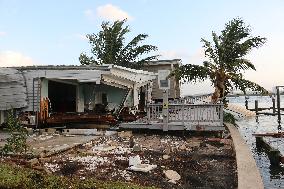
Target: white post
x=135 y=96
x=80 y=98
x=1 y=116
x=165 y=110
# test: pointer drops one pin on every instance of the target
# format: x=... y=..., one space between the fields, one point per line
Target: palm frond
x=244 y=85
x=108 y=46
x=191 y=73
x=242 y=64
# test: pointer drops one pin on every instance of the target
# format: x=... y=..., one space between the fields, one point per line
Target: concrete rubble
x=142 y=167
x=134 y=160
x=135 y=164
x=172 y=175
x=166 y=156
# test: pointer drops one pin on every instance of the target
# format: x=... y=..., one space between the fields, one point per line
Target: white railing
x=187 y=113
x=199 y=99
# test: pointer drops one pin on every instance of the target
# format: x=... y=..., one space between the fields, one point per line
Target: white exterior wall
x=44 y=88
x=80 y=98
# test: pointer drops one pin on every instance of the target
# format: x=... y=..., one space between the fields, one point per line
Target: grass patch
x=18 y=177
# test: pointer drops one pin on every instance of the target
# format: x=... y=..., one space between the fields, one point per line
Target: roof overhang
x=128 y=77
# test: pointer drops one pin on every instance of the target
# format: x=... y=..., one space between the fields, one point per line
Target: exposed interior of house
x=62 y=97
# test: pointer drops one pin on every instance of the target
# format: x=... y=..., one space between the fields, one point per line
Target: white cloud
x=111 y=12
x=174 y=54
x=90 y=14
x=11 y=58
x=2 y=33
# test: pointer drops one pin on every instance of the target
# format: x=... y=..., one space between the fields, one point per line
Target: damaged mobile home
x=88 y=96
x=70 y=94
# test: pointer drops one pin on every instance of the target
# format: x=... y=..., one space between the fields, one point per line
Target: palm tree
x=226 y=61
x=108 y=47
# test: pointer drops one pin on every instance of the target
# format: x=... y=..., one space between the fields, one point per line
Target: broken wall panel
x=12 y=89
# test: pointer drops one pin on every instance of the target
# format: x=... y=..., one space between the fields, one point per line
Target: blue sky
x=52 y=32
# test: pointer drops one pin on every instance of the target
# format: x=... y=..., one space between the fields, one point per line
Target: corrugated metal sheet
x=12 y=89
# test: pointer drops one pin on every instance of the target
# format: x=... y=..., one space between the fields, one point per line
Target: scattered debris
x=109 y=157
x=166 y=156
x=33 y=162
x=172 y=175
x=131 y=142
x=104 y=148
x=53 y=167
x=142 y=167
x=45 y=137
x=134 y=160
x=137 y=148
x=182 y=147
x=110 y=133
x=125 y=134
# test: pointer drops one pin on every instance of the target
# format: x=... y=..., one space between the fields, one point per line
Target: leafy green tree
x=108 y=47
x=17 y=142
x=226 y=61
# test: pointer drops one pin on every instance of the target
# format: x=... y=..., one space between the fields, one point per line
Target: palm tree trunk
x=219 y=86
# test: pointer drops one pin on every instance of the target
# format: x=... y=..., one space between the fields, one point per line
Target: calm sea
x=273 y=176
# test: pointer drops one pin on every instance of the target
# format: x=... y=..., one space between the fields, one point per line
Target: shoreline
x=248 y=173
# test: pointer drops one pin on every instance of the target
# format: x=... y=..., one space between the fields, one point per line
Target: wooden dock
x=198 y=117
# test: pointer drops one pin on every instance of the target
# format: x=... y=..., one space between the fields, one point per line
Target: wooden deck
x=199 y=117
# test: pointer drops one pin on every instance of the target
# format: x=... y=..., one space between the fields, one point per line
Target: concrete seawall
x=248 y=173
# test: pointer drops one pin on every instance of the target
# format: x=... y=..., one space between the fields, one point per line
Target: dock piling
x=273 y=105
x=256 y=106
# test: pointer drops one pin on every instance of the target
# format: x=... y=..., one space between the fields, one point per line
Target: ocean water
x=273 y=176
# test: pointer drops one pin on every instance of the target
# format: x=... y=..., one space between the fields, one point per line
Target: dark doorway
x=62 y=96
x=141 y=105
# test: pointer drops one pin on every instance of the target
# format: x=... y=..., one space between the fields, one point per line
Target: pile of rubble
x=161 y=160
x=158 y=160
